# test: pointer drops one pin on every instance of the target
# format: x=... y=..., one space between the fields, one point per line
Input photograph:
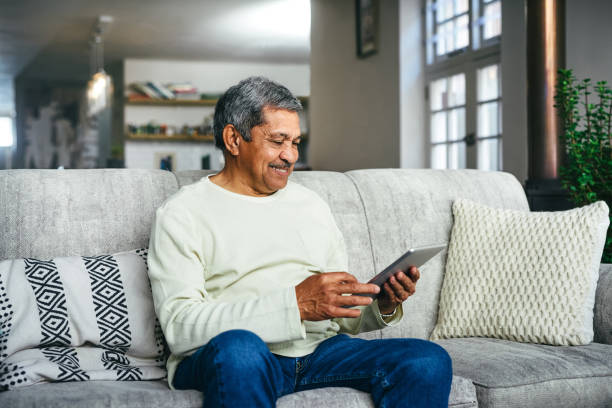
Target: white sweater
x=219 y=261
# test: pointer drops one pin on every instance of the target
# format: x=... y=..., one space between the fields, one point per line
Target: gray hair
x=242 y=106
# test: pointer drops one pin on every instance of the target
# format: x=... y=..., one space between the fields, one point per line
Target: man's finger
x=353 y=300
x=399 y=290
x=414 y=273
x=391 y=293
x=335 y=311
x=364 y=288
x=408 y=284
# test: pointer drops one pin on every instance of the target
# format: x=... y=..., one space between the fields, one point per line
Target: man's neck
x=232 y=180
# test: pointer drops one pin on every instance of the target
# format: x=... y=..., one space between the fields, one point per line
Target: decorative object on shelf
x=587 y=137
x=366 y=12
x=206 y=162
x=165 y=161
x=116 y=159
x=210 y=96
x=154 y=131
x=174 y=138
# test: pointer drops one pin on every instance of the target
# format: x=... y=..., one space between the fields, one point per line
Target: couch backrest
x=49 y=213
x=409 y=208
x=381 y=213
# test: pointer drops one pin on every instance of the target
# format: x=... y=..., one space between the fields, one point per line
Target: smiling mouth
x=280 y=169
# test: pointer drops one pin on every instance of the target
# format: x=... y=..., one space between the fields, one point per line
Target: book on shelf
x=181 y=87
x=143 y=89
x=156 y=90
x=184 y=91
x=161 y=90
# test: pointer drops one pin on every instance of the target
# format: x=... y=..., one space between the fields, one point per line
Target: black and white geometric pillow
x=78 y=319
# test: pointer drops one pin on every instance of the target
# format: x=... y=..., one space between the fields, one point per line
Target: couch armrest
x=602 y=319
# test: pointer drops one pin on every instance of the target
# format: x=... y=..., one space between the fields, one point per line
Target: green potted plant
x=586 y=115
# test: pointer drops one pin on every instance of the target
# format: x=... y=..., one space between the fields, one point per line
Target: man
x=249 y=279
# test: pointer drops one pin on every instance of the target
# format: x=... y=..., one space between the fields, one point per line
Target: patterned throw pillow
x=78 y=319
x=521 y=276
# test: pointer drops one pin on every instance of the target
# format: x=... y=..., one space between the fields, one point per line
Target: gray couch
x=48 y=213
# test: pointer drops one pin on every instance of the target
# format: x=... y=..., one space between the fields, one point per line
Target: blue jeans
x=236 y=369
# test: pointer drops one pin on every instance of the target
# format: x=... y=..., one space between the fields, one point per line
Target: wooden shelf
x=171 y=102
x=186 y=102
x=173 y=138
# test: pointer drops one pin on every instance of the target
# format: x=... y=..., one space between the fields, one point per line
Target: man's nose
x=289 y=153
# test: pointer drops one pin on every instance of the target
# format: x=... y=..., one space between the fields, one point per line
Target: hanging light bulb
x=99 y=91
x=99 y=88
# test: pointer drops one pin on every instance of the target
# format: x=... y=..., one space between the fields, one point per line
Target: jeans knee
x=436 y=365
x=239 y=349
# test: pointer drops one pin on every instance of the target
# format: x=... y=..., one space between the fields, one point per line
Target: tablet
x=416 y=256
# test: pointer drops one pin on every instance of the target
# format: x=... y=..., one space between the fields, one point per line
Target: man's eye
x=278 y=142
x=296 y=143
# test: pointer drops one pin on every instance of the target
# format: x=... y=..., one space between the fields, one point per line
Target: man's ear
x=232 y=139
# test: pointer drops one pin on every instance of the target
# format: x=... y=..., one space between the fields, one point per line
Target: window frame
x=467 y=61
x=499 y=100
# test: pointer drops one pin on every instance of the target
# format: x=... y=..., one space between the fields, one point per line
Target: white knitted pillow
x=522 y=276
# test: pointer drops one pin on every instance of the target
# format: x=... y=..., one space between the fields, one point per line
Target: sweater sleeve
x=188 y=315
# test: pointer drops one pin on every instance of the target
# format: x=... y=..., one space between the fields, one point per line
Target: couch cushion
x=602 y=319
x=528 y=375
x=186 y=177
x=412 y=208
x=78 y=319
x=101 y=394
x=522 y=276
x=463 y=395
x=145 y=394
x=49 y=213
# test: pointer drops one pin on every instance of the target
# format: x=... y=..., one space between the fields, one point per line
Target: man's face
x=268 y=159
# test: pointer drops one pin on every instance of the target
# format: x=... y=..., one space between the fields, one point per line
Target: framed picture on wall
x=366 y=12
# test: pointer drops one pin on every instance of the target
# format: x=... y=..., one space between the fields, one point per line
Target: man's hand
x=320 y=296
x=398 y=288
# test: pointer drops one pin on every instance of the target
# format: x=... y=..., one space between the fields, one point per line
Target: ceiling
x=50 y=38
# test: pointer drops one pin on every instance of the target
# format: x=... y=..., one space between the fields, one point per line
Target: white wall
x=208 y=77
x=414 y=149
x=588 y=38
x=354 y=103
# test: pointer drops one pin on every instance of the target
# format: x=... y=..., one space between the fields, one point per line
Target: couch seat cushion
x=101 y=394
x=144 y=394
x=514 y=374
